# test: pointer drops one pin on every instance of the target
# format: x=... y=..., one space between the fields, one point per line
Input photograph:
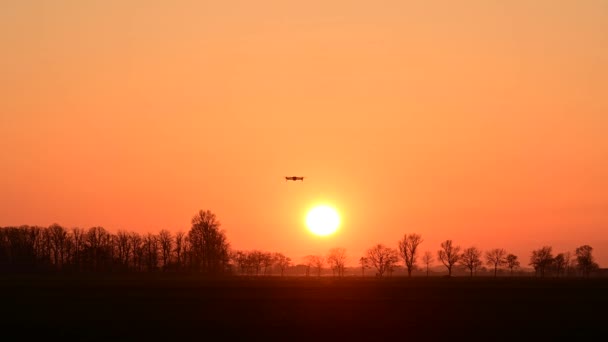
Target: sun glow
x=323 y=220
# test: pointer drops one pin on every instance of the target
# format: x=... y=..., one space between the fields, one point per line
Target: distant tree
x=255 y=260
x=471 y=259
x=282 y=262
x=239 y=258
x=364 y=262
x=448 y=255
x=382 y=258
x=317 y=263
x=559 y=262
x=208 y=243
x=165 y=238
x=179 y=248
x=408 y=249
x=512 y=262
x=568 y=263
x=123 y=249
x=268 y=259
x=336 y=258
x=309 y=261
x=585 y=260
x=150 y=249
x=138 y=250
x=59 y=244
x=98 y=248
x=427 y=258
x=496 y=258
x=541 y=259
x=77 y=238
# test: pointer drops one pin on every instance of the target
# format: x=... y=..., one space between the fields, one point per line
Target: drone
x=294 y=178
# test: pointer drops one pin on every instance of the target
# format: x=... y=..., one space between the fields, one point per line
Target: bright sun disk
x=322 y=220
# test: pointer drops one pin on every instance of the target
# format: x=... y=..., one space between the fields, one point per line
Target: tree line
x=385 y=259
x=205 y=248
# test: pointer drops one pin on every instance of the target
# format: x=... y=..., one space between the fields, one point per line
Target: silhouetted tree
x=585 y=261
x=448 y=255
x=512 y=262
x=208 y=243
x=256 y=260
x=150 y=248
x=382 y=258
x=179 y=248
x=59 y=244
x=567 y=263
x=318 y=262
x=336 y=258
x=541 y=259
x=98 y=248
x=408 y=249
x=427 y=258
x=282 y=262
x=559 y=262
x=239 y=258
x=165 y=238
x=364 y=262
x=309 y=261
x=138 y=250
x=77 y=238
x=496 y=258
x=471 y=259
x=123 y=248
x=268 y=259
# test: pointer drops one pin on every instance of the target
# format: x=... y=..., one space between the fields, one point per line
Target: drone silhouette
x=294 y=178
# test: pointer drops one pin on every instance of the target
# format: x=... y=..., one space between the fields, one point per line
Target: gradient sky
x=483 y=122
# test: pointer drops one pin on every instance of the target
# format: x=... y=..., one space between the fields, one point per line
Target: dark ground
x=142 y=307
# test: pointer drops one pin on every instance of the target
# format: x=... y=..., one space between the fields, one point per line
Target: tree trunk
x=495 y=269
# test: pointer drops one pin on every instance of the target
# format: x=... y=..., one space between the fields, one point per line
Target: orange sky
x=483 y=122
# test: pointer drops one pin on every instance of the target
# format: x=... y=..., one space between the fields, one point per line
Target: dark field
x=179 y=307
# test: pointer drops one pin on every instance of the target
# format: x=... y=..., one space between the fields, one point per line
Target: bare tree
x=123 y=248
x=496 y=257
x=568 y=263
x=59 y=241
x=336 y=258
x=541 y=259
x=165 y=238
x=427 y=258
x=267 y=260
x=179 y=248
x=364 y=262
x=256 y=260
x=282 y=262
x=208 y=243
x=78 y=235
x=559 y=262
x=408 y=248
x=309 y=261
x=382 y=258
x=448 y=255
x=512 y=262
x=585 y=260
x=471 y=259
x=151 y=247
x=318 y=262
x=240 y=259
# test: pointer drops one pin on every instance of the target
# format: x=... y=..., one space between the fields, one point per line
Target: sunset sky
x=484 y=122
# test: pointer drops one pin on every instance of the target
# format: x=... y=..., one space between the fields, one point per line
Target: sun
x=323 y=220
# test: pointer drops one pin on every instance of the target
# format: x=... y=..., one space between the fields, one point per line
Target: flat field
x=177 y=307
